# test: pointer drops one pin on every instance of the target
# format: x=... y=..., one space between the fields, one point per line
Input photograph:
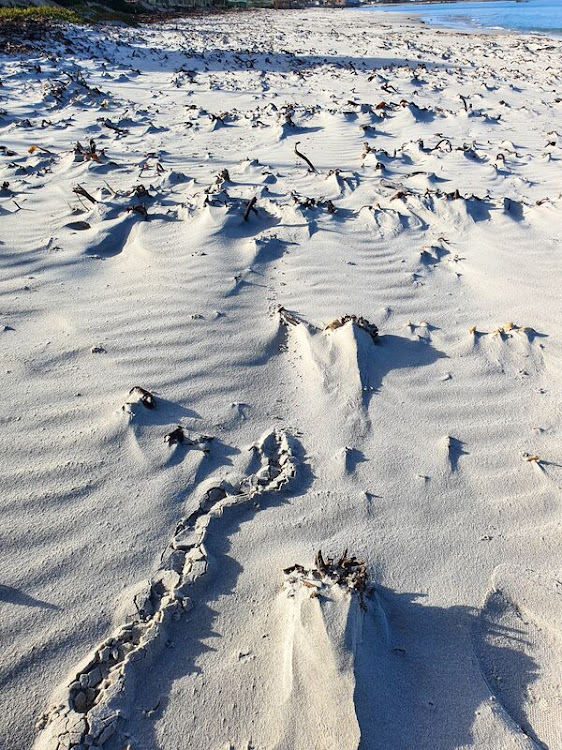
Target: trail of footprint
x=519 y=647
x=87 y=707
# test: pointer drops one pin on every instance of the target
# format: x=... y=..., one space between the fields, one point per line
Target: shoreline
x=466 y=28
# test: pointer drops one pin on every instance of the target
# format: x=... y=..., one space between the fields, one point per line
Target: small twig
x=386 y=86
x=320 y=564
x=79 y=190
x=446 y=141
x=249 y=208
x=311 y=166
x=288 y=318
x=116 y=128
x=36 y=147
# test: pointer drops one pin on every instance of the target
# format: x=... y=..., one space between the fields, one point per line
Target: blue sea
x=517 y=15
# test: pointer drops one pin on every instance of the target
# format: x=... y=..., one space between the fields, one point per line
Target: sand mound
x=321 y=610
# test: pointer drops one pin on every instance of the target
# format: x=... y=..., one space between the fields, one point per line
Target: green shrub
x=44 y=14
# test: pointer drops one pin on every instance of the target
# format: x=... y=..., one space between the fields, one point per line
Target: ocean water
x=518 y=15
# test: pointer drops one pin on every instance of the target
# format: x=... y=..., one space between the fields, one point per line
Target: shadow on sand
x=416 y=682
x=390 y=353
x=11 y=595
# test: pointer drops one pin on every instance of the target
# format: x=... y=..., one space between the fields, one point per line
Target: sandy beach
x=271 y=283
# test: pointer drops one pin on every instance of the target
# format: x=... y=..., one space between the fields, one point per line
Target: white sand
x=146 y=577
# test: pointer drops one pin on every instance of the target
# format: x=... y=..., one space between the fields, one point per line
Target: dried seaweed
x=359 y=321
x=143 y=396
x=346 y=572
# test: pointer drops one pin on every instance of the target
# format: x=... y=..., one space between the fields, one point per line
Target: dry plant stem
x=79 y=190
x=311 y=166
x=287 y=318
x=249 y=208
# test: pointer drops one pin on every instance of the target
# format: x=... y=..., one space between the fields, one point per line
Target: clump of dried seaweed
x=346 y=572
x=359 y=321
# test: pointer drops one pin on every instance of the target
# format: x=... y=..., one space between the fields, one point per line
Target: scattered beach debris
x=505 y=330
x=87 y=153
x=510 y=327
x=98 y=124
